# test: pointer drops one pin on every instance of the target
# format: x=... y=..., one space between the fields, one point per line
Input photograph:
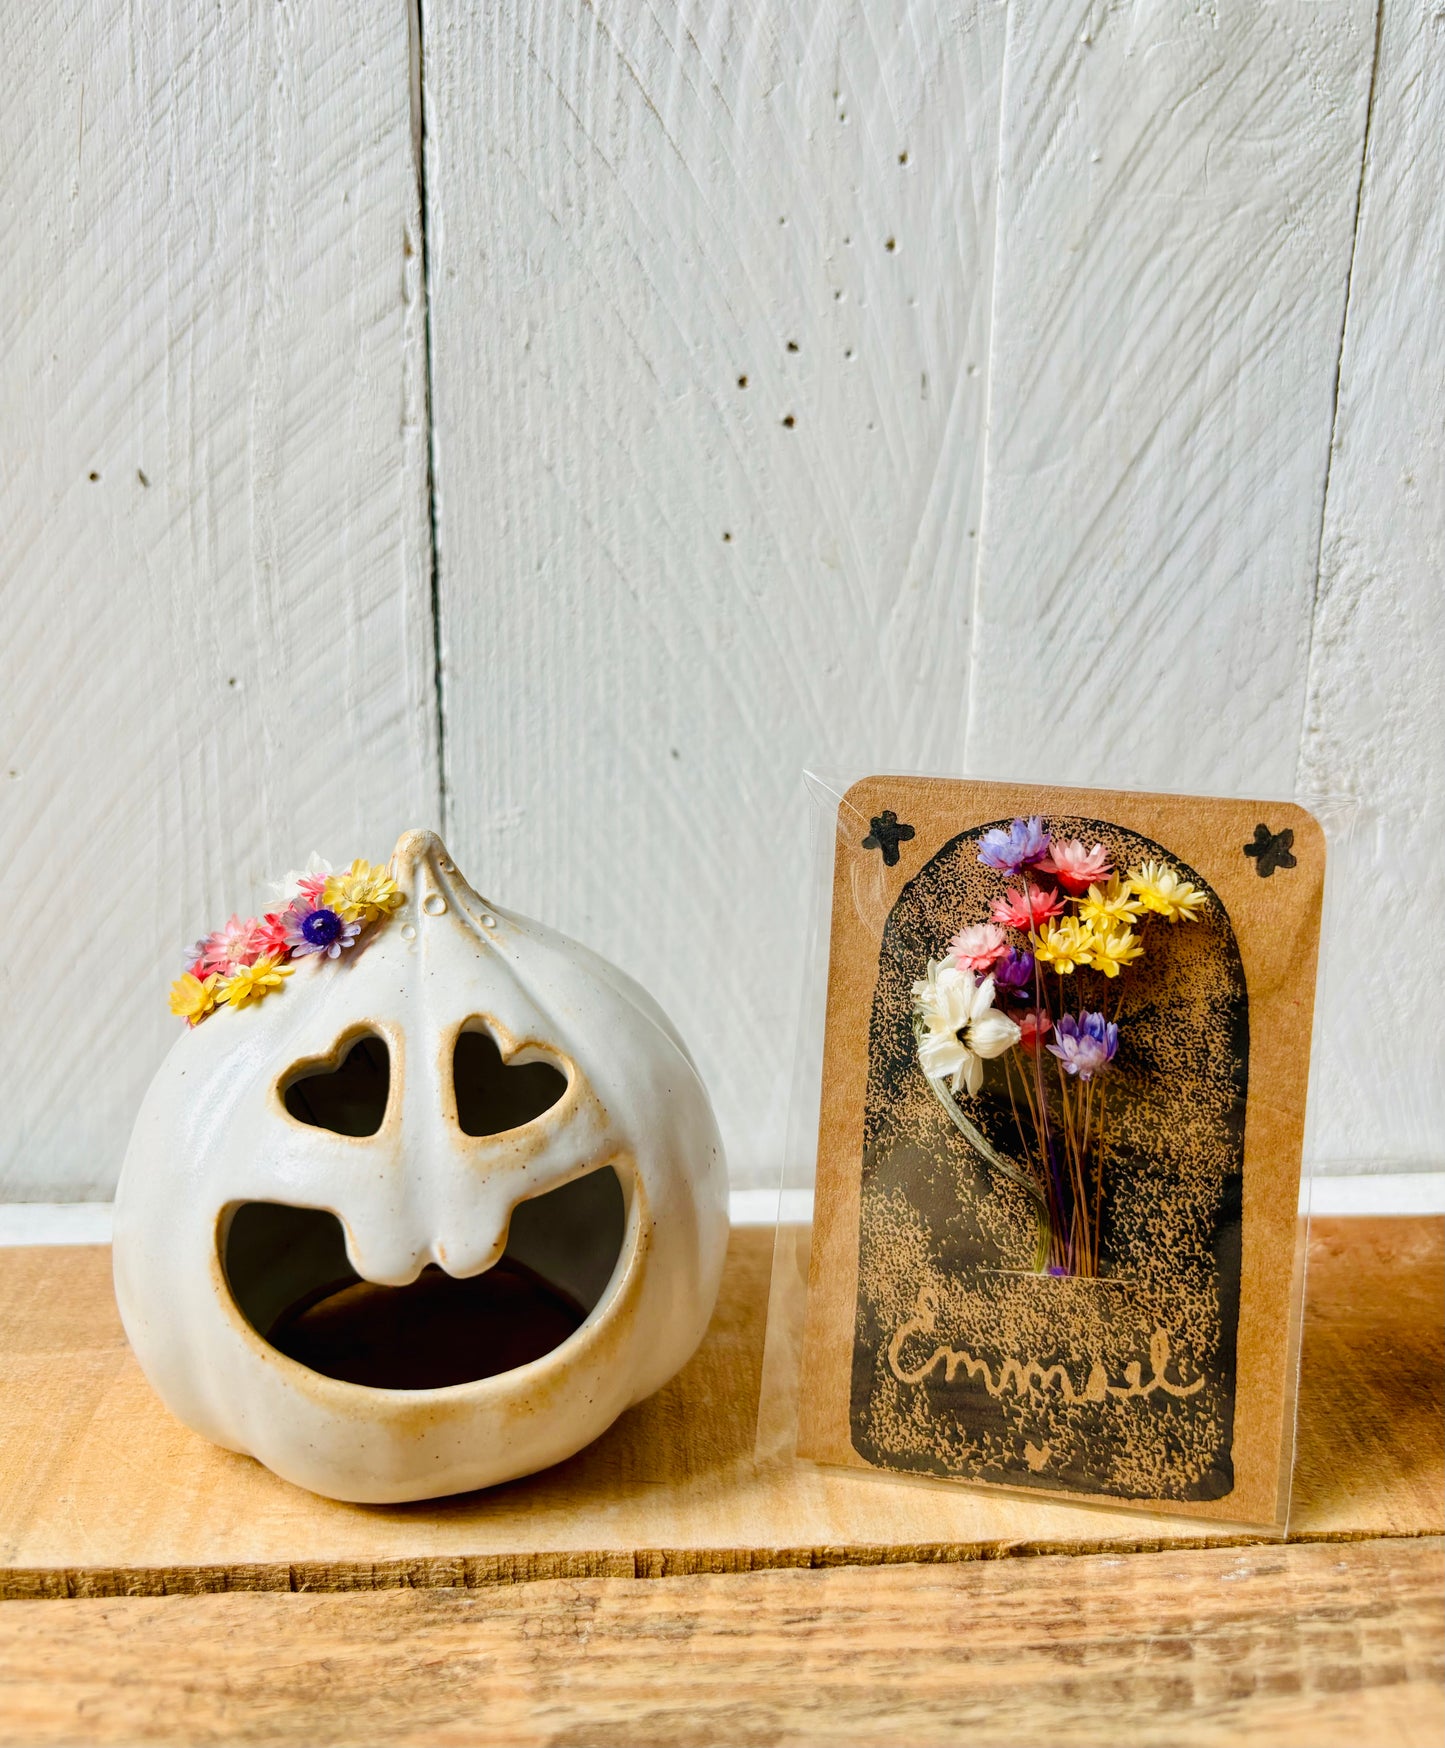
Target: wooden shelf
x=1311 y=1646
x=102 y=1493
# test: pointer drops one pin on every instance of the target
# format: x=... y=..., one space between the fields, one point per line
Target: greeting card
x=1056 y=1232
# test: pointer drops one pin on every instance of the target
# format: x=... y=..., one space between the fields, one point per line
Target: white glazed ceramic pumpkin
x=427 y=1218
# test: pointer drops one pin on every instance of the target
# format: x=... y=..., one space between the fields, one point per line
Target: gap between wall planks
x=1189 y=200
x=215 y=651
x=919 y=388
x=214 y=255
x=709 y=303
x=1374 y=722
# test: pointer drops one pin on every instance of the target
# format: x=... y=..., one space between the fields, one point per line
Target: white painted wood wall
x=1027 y=387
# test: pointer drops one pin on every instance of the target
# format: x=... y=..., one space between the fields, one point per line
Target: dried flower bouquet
x=989 y=999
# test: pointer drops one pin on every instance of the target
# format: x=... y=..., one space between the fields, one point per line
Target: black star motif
x=887 y=834
x=1271 y=850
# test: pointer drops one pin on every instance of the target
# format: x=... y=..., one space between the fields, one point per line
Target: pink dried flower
x=1012 y=910
x=1077 y=868
x=238 y=943
x=273 y=933
x=978 y=948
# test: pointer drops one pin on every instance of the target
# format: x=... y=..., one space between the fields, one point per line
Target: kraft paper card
x=1056 y=1238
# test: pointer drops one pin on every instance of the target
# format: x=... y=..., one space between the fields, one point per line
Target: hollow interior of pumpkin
x=290 y=1277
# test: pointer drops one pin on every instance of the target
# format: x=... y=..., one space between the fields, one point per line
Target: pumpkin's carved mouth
x=290 y=1278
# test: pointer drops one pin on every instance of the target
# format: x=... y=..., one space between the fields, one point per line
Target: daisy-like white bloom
x=961 y=1026
x=1084 y=1045
x=1077 y=868
x=1114 y=949
x=1065 y=945
x=1161 y=890
x=238 y=943
x=1027 y=910
x=307 y=882
x=362 y=892
x=314 y=928
x=979 y=947
x=1023 y=845
x=248 y=983
x=1110 y=906
x=193 y=996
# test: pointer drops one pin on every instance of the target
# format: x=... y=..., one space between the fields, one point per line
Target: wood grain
x=1374 y=718
x=1052 y=295
x=102 y=1493
x=215 y=644
x=1372 y=1375
x=1306 y=1646
x=911 y=388
x=1178 y=187
x=710 y=303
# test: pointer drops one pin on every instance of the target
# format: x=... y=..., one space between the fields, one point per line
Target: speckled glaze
x=214 y=1133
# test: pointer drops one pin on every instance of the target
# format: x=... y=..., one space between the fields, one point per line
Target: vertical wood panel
x=664 y=591
x=1375 y=722
x=1178 y=192
x=214 y=562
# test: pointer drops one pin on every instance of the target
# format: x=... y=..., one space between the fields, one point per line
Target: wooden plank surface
x=101 y=1492
x=1116 y=389
x=913 y=387
x=215 y=643
x=1293 y=1647
x=1375 y=715
x=1178 y=187
x=215 y=614
x=710 y=296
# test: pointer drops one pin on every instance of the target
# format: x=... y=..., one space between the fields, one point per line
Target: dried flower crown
x=250 y=957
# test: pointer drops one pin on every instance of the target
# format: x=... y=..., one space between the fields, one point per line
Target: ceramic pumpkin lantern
x=427 y=1218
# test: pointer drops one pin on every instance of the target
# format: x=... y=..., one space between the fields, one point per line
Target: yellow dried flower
x=192 y=997
x=1114 y=949
x=248 y=983
x=1161 y=890
x=362 y=892
x=1110 y=906
x=1064 y=944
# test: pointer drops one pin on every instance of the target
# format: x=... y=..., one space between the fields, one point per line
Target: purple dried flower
x=316 y=928
x=1014 y=975
x=1084 y=1045
x=1023 y=845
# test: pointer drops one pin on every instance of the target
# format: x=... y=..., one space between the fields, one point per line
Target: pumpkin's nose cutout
x=471 y=1247
x=392 y=1251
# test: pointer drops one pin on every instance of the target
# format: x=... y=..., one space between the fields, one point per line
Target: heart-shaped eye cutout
x=349 y=1099
x=492 y=1095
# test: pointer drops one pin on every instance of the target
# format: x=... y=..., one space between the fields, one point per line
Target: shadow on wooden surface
x=102 y=1493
